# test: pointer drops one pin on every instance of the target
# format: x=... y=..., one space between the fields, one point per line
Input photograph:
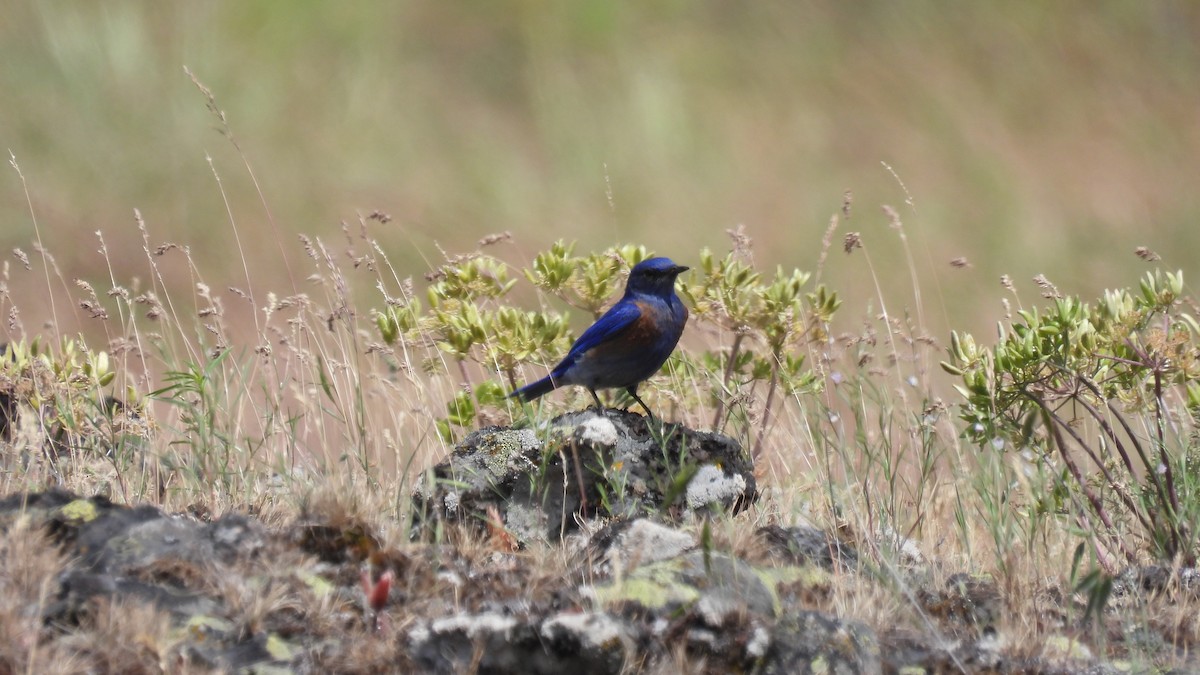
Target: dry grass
x=31 y=563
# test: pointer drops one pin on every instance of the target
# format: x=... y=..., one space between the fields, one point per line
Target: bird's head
x=654 y=276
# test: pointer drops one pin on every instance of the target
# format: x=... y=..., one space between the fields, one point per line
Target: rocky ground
x=595 y=544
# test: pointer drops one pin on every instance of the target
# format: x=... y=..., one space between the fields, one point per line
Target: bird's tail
x=535 y=389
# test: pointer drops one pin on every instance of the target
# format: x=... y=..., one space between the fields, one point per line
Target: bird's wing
x=616 y=320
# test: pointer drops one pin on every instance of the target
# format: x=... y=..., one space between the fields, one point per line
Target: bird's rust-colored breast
x=644 y=335
x=651 y=325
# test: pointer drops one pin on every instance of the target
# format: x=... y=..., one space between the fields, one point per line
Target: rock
x=907 y=651
x=711 y=484
x=1140 y=584
x=1057 y=648
x=562 y=643
x=584 y=465
x=120 y=554
x=723 y=584
x=811 y=642
x=133 y=588
x=78 y=589
x=970 y=602
x=906 y=553
x=590 y=629
x=627 y=544
x=802 y=545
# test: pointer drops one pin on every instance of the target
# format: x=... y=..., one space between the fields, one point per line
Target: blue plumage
x=629 y=343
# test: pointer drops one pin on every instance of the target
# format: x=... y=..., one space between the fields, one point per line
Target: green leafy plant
x=585 y=282
x=1062 y=384
x=516 y=337
x=199 y=393
x=769 y=320
x=56 y=384
x=463 y=409
x=65 y=390
x=462 y=292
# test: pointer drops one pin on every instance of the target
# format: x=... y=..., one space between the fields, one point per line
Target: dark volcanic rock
x=77 y=589
x=584 y=465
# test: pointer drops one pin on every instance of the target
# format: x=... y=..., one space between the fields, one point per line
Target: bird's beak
x=680 y=269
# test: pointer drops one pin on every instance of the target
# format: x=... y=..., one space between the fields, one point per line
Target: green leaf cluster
x=467 y=320
x=1125 y=343
x=461 y=411
x=585 y=282
x=64 y=387
x=73 y=364
x=470 y=317
x=1061 y=382
x=769 y=319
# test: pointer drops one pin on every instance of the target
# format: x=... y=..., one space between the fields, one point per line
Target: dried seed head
x=742 y=243
x=851 y=241
x=1049 y=290
x=93 y=309
x=1146 y=254
x=496 y=238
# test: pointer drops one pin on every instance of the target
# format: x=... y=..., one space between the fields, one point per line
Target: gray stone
x=568 y=642
x=729 y=584
x=811 y=642
x=581 y=466
x=644 y=541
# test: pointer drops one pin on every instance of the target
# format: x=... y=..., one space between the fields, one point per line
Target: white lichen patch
x=646 y=541
x=592 y=629
x=710 y=485
x=760 y=640
x=599 y=431
x=473 y=625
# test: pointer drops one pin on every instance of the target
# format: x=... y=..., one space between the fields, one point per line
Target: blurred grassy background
x=1034 y=137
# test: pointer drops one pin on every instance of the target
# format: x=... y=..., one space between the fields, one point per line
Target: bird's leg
x=633 y=392
x=599 y=405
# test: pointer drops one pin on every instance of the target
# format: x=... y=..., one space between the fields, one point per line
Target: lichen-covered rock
x=811 y=642
x=568 y=642
x=584 y=465
x=729 y=614
x=122 y=554
x=133 y=589
x=626 y=544
x=1139 y=584
x=716 y=582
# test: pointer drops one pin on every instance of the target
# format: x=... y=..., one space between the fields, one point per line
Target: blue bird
x=629 y=343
